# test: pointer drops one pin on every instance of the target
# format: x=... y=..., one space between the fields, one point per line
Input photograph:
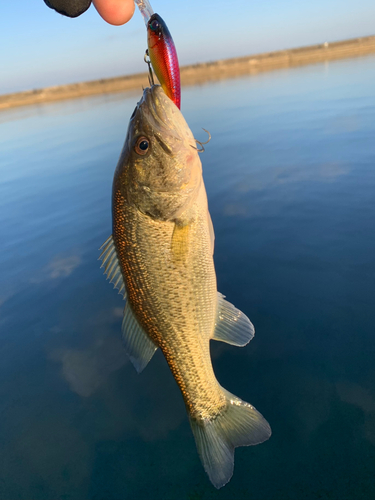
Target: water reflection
x=59 y=267
x=290 y=180
x=86 y=370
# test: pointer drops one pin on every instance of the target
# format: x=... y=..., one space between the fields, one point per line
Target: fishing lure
x=162 y=52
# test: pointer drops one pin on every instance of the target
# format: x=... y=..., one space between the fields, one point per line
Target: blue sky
x=41 y=48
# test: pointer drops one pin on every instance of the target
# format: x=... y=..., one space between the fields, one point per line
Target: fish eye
x=142 y=145
x=154 y=25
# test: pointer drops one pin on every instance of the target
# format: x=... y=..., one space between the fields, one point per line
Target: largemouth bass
x=160 y=256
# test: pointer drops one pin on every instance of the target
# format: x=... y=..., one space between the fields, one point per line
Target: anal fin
x=232 y=326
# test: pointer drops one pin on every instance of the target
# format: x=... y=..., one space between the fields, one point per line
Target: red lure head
x=163 y=56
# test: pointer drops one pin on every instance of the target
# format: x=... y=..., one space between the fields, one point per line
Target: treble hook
x=150 y=74
x=209 y=137
x=201 y=143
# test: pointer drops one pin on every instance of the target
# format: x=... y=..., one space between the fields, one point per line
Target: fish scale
x=146 y=250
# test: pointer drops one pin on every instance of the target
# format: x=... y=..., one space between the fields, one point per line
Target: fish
x=160 y=257
x=163 y=56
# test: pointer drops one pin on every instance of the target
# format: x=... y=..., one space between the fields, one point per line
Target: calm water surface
x=290 y=176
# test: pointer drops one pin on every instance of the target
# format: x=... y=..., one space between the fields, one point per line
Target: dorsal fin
x=212 y=232
x=138 y=345
x=111 y=265
x=232 y=326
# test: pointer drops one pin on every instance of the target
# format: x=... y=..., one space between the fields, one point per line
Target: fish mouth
x=162 y=119
x=155 y=101
x=159 y=111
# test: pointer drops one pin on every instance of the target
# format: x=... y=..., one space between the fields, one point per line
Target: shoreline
x=201 y=72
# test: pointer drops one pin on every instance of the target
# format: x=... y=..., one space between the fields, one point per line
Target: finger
x=70 y=8
x=115 y=11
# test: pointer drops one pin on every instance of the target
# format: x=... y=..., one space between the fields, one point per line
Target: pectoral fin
x=180 y=242
x=111 y=265
x=138 y=345
x=232 y=326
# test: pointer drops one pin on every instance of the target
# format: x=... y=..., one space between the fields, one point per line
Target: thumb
x=115 y=11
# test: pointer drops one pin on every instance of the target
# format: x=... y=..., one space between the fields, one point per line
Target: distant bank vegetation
x=200 y=73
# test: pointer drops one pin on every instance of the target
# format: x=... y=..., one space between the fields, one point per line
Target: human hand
x=115 y=12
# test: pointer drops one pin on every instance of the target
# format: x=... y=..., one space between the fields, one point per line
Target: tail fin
x=240 y=424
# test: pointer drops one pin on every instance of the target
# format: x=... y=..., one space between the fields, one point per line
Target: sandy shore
x=200 y=73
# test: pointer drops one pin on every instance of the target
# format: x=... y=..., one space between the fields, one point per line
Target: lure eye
x=154 y=25
x=141 y=146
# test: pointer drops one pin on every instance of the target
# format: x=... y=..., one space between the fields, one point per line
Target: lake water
x=290 y=177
